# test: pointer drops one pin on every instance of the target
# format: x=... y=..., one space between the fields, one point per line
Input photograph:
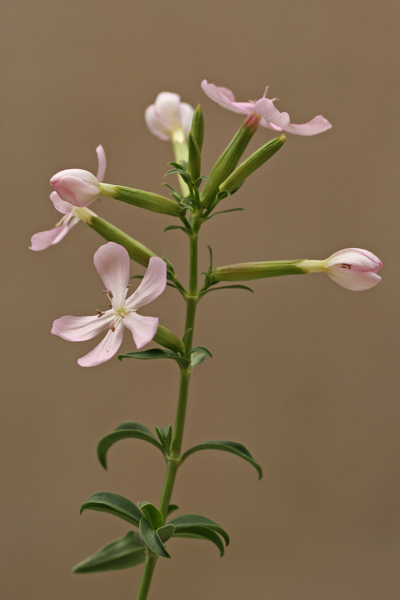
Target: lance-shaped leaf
x=232 y=447
x=154 y=353
x=122 y=432
x=152 y=514
x=113 y=504
x=127 y=551
x=201 y=533
x=152 y=539
x=186 y=523
x=165 y=436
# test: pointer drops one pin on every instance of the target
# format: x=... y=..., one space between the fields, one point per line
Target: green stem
x=147 y=575
x=173 y=461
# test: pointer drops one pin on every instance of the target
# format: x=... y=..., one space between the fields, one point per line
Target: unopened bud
x=76 y=186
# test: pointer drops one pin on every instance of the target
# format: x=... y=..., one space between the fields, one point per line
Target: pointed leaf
x=152 y=539
x=201 y=349
x=197 y=358
x=165 y=532
x=185 y=522
x=171 y=227
x=113 y=504
x=221 y=212
x=228 y=287
x=165 y=437
x=127 y=551
x=122 y=432
x=152 y=514
x=154 y=353
x=201 y=533
x=172 y=508
x=232 y=447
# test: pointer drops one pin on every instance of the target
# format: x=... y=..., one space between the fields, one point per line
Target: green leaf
x=152 y=539
x=113 y=504
x=166 y=532
x=127 y=551
x=154 y=353
x=165 y=437
x=227 y=287
x=201 y=349
x=200 y=533
x=221 y=212
x=171 y=227
x=232 y=447
x=122 y=432
x=186 y=334
x=172 y=508
x=197 y=358
x=185 y=523
x=152 y=514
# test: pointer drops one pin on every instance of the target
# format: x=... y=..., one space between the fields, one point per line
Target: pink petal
x=167 y=107
x=143 y=329
x=45 y=239
x=59 y=204
x=358 y=258
x=76 y=186
x=186 y=117
x=224 y=97
x=112 y=264
x=156 y=124
x=317 y=125
x=270 y=114
x=80 y=329
x=101 y=157
x=152 y=285
x=357 y=281
x=107 y=348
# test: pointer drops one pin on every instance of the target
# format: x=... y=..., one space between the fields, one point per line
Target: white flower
x=168 y=118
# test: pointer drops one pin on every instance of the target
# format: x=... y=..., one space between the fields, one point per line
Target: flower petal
x=357 y=281
x=101 y=157
x=223 y=97
x=317 y=125
x=107 y=348
x=152 y=285
x=59 y=204
x=270 y=114
x=112 y=263
x=186 y=117
x=76 y=186
x=143 y=329
x=45 y=239
x=156 y=124
x=80 y=329
x=167 y=106
x=357 y=258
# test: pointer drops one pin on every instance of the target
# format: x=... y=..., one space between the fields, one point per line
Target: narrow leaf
x=122 y=432
x=221 y=212
x=199 y=533
x=172 y=508
x=153 y=354
x=228 y=287
x=113 y=504
x=165 y=436
x=166 y=532
x=152 y=539
x=185 y=522
x=152 y=514
x=197 y=357
x=127 y=551
x=232 y=447
x=201 y=349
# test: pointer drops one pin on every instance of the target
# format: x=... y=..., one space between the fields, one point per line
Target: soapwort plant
x=191 y=205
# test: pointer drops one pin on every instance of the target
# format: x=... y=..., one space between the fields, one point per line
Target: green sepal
x=152 y=539
x=152 y=514
x=197 y=127
x=123 y=553
x=113 y=504
x=142 y=199
x=165 y=436
x=232 y=447
x=122 y=432
x=184 y=523
x=154 y=353
x=200 y=533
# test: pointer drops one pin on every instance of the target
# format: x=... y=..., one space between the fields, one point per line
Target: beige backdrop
x=304 y=373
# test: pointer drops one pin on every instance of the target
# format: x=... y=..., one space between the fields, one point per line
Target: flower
x=353 y=268
x=263 y=112
x=112 y=263
x=44 y=239
x=168 y=118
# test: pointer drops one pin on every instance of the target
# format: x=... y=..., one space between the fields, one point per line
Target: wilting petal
x=152 y=285
x=76 y=186
x=107 y=348
x=143 y=329
x=44 y=239
x=317 y=125
x=101 y=157
x=79 y=329
x=112 y=264
x=270 y=114
x=225 y=98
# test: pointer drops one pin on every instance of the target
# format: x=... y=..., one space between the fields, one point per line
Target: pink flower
x=353 y=268
x=168 y=118
x=263 y=112
x=112 y=263
x=44 y=239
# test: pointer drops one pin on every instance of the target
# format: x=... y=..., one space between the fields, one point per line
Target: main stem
x=173 y=460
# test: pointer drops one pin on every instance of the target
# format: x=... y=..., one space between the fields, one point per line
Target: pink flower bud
x=76 y=186
x=353 y=268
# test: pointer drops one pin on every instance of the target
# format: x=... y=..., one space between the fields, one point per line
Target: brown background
x=304 y=373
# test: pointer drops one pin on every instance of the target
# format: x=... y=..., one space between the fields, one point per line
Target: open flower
x=44 y=239
x=353 y=268
x=168 y=118
x=263 y=112
x=112 y=263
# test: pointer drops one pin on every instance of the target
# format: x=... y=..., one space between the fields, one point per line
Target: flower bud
x=353 y=268
x=76 y=186
x=166 y=338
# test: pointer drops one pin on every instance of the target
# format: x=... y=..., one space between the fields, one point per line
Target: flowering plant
x=191 y=205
